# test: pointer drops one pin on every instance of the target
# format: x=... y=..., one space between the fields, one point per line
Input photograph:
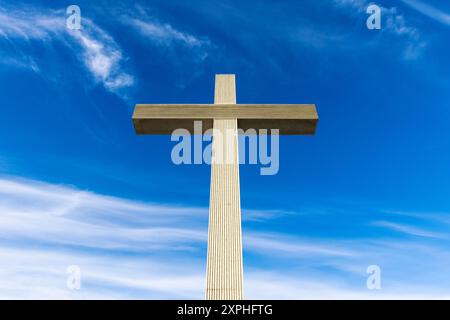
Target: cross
x=224 y=270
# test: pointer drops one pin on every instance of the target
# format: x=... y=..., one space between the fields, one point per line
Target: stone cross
x=224 y=278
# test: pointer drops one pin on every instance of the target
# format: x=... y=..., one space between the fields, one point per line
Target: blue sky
x=78 y=187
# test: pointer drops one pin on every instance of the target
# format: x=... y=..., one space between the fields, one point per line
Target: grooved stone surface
x=224 y=278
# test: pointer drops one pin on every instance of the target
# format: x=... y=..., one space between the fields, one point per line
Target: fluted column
x=224 y=279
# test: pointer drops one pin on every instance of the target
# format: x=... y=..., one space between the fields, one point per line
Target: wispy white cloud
x=54 y=215
x=279 y=244
x=27 y=273
x=30 y=24
x=98 y=51
x=360 y=5
x=45 y=228
x=273 y=285
x=133 y=249
x=393 y=22
x=158 y=32
x=263 y=215
x=411 y=230
x=164 y=33
x=22 y=62
x=429 y=11
x=441 y=217
x=102 y=56
x=62 y=215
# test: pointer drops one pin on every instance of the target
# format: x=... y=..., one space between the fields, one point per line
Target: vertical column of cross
x=224 y=279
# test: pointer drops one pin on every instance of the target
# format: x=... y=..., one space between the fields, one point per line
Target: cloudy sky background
x=78 y=187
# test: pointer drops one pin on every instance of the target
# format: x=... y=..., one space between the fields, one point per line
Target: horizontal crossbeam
x=165 y=118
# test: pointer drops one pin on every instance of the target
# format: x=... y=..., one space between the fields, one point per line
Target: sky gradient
x=78 y=187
